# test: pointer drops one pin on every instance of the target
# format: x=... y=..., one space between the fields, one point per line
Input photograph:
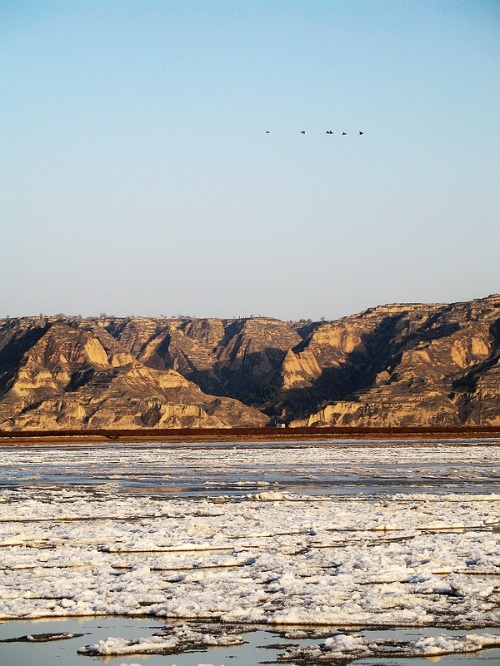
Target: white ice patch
x=432 y=646
x=248 y=560
x=181 y=638
x=270 y=496
x=347 y=647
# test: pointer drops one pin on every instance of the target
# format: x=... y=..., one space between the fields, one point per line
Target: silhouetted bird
x=302 y=131
x=268 y=132
x=361 y=133
x=328 y=132
x=344 y=133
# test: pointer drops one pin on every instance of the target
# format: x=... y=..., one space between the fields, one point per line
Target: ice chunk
x=178 y=639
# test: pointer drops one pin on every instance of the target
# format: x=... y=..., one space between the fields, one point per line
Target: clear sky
x=137 y=177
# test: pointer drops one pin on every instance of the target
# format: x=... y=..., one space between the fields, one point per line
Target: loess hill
x=397 y=365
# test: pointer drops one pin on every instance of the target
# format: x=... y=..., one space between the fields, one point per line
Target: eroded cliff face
x=70 y=374
x=226 y=357
x=397 y=365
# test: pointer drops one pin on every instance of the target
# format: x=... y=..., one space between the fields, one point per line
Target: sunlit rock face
x=59 y=373
x=394 y=365
x=425 y=365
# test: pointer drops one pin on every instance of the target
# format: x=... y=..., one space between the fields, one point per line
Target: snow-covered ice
x=413 y=560
x=347 y=647
x=272 y=557
x=170 y=641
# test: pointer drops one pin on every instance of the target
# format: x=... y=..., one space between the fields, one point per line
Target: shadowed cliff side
x=222 y=356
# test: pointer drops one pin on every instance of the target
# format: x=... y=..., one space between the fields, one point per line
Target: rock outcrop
x=69 y=374
x=426 y=365
x=230 y=357
x=393 y=365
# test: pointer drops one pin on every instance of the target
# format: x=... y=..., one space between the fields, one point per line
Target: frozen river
x=330 y=552
x=339 y=467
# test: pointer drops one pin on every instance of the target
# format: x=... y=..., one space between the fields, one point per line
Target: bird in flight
x=327 y=132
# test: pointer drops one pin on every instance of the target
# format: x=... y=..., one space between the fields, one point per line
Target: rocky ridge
x=390 y=366
x=70 y=374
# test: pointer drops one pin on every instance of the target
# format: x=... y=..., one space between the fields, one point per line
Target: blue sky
x=136 y=175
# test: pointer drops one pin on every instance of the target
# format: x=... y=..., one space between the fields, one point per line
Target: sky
x=152 y=161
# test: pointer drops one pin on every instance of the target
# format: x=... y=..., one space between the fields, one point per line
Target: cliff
x=426 y=365
x=69 y=374
x=396 y=365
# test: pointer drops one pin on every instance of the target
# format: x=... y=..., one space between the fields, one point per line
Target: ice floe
x=347 y=647
x=41 y=638
x=171 y=641
x=331 y=561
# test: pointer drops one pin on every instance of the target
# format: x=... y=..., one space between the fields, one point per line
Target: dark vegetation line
x=248 y=434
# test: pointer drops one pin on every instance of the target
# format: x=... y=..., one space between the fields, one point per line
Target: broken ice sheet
x=41 y=638
x=343 y=648
x=279 y=561
x=171 y=641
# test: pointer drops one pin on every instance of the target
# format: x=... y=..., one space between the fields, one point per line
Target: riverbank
x=243 y=434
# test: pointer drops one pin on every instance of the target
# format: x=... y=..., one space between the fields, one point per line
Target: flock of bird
x=327 y=132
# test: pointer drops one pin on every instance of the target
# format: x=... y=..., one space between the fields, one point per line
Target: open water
x=337 y=467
